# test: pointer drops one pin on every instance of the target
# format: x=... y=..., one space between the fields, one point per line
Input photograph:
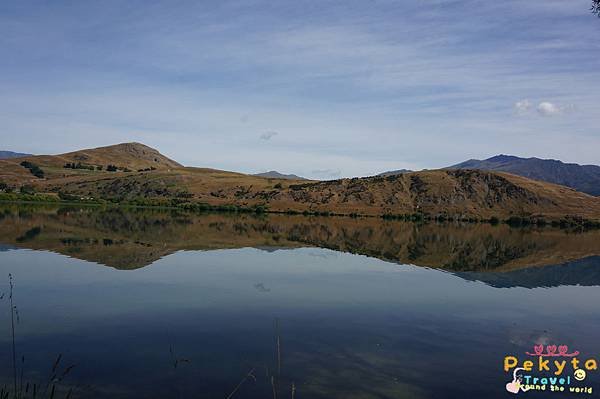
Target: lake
x=116 y=303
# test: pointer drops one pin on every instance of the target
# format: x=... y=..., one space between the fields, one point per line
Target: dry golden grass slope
x=133 y=156
x=456 y=193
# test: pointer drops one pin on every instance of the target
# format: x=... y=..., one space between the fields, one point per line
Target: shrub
x=517 y=221
x=111 y=168
x=184 y=194
x=278 y=186
x=260 y=209
x=27 y=189
x=67 y=197
x=417 y=217
x=33 y=168
x=78 y=165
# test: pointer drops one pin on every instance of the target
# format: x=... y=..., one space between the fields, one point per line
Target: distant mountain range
x=273 y=174
x=584 y=178
x=10 y=154
x=584 y=272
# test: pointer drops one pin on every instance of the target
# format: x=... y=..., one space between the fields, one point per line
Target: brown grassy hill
x=13 y=173
x=132 y=155
x=449 y=192
x=125 y=156
x=456 y=193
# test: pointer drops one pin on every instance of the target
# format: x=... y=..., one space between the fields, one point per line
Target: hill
x=273 y=174
x=122 y=157
x=132 y=156
x=395 y=172
x=10 y=154
x=147 y=177
x=584 y=178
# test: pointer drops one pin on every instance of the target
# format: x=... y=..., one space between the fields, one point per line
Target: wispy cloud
x=268 y=135
x=523 y=106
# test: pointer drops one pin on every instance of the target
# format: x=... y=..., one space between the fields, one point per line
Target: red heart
x=538 y=349
x=563 y=349
x=551 y=349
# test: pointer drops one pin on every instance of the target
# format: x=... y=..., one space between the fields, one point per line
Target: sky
x=323 y=89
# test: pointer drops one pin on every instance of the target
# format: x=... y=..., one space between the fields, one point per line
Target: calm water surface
x=151 y=304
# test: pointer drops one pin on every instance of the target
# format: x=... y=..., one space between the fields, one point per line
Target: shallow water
x=153 y=304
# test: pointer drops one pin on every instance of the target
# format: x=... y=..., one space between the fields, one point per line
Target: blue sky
x=323 y=89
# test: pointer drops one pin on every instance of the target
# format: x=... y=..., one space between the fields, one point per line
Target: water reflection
x=195 y=312
x=130 y=239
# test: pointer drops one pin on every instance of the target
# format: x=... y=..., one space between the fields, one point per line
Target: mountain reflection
x=133 y=238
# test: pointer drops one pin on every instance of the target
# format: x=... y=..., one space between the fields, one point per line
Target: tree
x=3 y=186
x=596 y=7
x=33 y=168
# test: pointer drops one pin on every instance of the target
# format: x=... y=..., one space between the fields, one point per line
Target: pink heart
x=538 y=349
x=563 y=349
x=551 y=349
x=512 y=387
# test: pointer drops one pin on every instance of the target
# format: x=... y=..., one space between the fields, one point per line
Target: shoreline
x=565 y=222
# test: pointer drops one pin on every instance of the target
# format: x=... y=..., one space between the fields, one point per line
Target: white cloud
x=549 y=109
x=544 y=108
x=268 y=135
x=523 y=106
